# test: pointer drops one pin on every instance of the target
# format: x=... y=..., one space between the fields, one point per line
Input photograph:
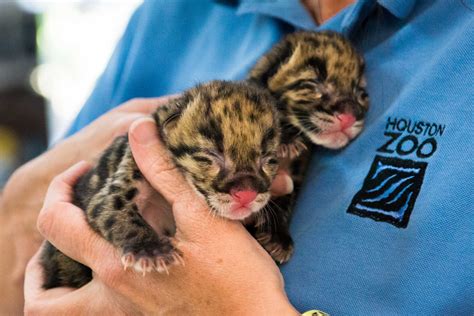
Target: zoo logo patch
x=391 y=187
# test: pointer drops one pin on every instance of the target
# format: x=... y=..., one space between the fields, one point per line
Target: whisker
x=273 y=214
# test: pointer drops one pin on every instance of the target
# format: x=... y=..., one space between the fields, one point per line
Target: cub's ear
x=167 y=116
x=267 y=66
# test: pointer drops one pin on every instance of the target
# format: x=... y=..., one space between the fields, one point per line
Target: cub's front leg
x=113 y=213
x=272 y=232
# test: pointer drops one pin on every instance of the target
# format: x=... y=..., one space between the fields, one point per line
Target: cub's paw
x=279 y=246
x=292 y=150
x=147 y=256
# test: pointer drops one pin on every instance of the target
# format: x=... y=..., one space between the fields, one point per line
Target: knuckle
x=120 y=126
x=46 y=218
x=110 y=274
x=108 y=269
x=188 y=196
x=162 y=164
x=136 y=100
x=56 y=182
x=44 y=221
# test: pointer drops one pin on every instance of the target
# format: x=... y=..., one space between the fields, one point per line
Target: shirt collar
x=294 y=13
x=399 y=8
x=353 y=16
x=290 y=11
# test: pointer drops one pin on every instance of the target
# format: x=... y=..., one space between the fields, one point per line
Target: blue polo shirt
x=386 y=225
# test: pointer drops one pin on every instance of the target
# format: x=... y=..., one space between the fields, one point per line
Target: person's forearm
x=10 y=289
x=19 y=206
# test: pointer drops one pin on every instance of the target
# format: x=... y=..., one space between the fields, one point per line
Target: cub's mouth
x=337 y=132
x=238 y=205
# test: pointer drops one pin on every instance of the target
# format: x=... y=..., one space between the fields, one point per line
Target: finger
x=122 y=124
x=282 y=184
x=145 y=105
x=34 y=280
x=69 y=232
x=89 y=299
x=154 y=161
x=60 y=189
x=64 y=225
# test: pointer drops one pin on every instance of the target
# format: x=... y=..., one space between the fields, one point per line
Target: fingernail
x=288 y=183
x=144 y=131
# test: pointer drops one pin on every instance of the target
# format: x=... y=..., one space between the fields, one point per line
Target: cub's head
x=224 y=137
x=319 y=83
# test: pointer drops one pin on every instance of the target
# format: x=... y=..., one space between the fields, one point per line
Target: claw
x=145 y=264
x=166 y=269
x=179 y=259
x=161 y=266
x=127 y=261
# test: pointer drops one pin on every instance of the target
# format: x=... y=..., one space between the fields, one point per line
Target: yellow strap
x=314 y=313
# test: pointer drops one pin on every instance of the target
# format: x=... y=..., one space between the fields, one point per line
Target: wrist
x=285 y=309
x=274 y=308
x=276 y=305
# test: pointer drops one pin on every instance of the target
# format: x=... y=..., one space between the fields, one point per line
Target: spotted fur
x=221 y=135
x=229 y=143
x=226 y=135
x=316 y=77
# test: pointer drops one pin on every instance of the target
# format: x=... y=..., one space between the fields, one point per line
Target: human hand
x=226 y=272
x=24 y=192
x=84 y=145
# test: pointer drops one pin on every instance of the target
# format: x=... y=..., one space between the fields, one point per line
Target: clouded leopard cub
x=223 y=136
x=318 y=81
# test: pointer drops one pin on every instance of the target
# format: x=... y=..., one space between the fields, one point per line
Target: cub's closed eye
x=203 y=159
x=314 y=83
x=171 y=118
x=315 y=86
x=215 y=155
x=304 y=84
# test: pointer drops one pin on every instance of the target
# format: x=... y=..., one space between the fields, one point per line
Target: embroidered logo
x=395 y=178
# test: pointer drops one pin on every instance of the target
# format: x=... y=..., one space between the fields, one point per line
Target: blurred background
x=51 y=54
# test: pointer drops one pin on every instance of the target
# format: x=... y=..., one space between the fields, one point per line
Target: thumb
x=154 y=160
x=282 y=184
x=156 y=165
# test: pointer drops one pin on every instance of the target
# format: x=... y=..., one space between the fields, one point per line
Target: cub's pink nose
x=243 y=197
x=346 y=120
